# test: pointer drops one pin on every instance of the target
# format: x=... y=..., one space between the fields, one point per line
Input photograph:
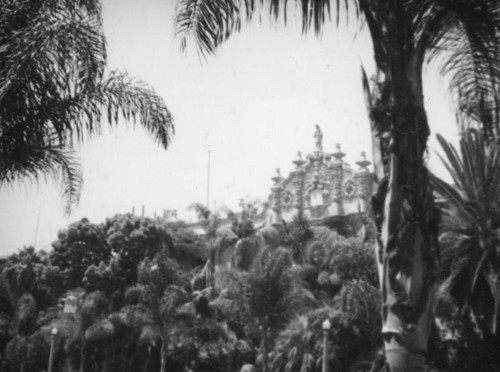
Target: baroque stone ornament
x=321 y=185
x=287 y=200
x=350 y=190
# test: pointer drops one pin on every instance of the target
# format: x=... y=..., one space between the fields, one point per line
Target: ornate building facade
x=322 y=186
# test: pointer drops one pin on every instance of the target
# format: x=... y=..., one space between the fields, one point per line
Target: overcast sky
x=255 y=104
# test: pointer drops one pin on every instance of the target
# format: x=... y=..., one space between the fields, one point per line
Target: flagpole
x=208 y=178
x=36 y=229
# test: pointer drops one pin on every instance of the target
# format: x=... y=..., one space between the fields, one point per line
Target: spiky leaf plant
x=471 y=225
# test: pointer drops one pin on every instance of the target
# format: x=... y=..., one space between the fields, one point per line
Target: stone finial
x=277 y=178
x=299 y=162
x=363 y=163
x=338 y=155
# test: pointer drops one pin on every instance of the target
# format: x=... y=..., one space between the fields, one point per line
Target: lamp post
x=326 y=329
x=53 y=334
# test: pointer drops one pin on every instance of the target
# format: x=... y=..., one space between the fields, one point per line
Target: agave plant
x=470 y=236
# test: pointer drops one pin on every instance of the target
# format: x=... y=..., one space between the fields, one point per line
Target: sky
x=254 y=105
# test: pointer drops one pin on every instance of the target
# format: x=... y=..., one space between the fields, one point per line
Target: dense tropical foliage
x=122 y=296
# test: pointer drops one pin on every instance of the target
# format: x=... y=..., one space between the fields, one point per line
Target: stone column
x=339 y=182
x=364 y=182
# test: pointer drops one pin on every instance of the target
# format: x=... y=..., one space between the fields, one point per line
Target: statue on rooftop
x=318 y=138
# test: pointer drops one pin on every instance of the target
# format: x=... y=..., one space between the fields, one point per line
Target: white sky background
x=255 y=104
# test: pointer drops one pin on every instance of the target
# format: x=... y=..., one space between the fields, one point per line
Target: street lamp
x=53 y=334
x=326 y=329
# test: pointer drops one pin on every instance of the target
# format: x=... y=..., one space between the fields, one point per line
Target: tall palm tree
x=54 y=90
x=164 y=294
x=270 y=295
x=463 y=36
x=92 y=308
x=354 y=335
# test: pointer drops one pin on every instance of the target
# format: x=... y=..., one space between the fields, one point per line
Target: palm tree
x=297 y=234
x=354 y=336
x=270 y=292
x=471 y=227
x=463 y=36
x=93 y=307
x=122 y=335
x=211 y=222
x=164 y=293
x=298 y=347
x=209 y=219
x=54 y=91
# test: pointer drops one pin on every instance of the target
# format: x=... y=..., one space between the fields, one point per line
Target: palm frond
x=38 y=163
x=100 y=330
x=25 y=314
x=478 y=269
x=93 y=307
x=136 y=101
x=474 y=172
x=150 y=334
x=212 y=22
x=366 y=89
x=465 y=41
x=59 y=45
x=467 y=168
x=493 y=280
x=201 y=210
x=173 y=297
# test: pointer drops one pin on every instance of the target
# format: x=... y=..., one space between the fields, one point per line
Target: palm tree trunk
x=106 y=362
x=148 y=358
x=164 y=349
x=406 y=295
x=123 y=357
x=378 y=101
x=82 y=358
x=264 y=350
x=403 y=206
x=405 y=240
